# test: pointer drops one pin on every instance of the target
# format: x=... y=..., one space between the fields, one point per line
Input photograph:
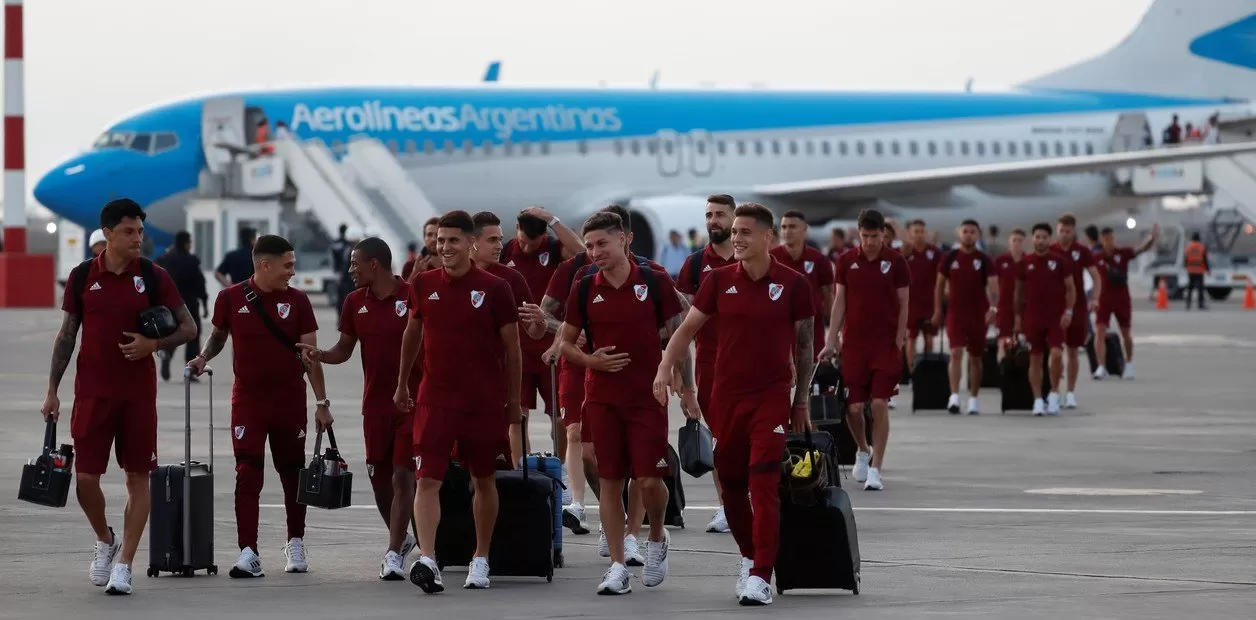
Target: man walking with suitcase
x=622 y=309
x=376 y=314
x=967 y=275
x=922 y=259
x=1005 y=266
x=115 y=386
x=266 y=319
x=1045 y=302
x=870 y=307
x=767 y=313
x=466 y=320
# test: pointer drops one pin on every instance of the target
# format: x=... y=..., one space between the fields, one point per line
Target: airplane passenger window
x=488 y=147
x=1011 y=148
x=793 y=147
x=668 y=147
x=448 y=147
x=841 y=148
x=507 y=145
x=636 y=147
x=584 y=147
x=1072 y=148
x=429 y=147
x=1059 y=148
x=950 y=148
x=652 y=146
x=981 y=148
x=1043 y=149
x=811 y=148
x=758 y=147
x=741 y=147
x=1090 y=148
x=996 y=148
x=700 y=146
x=859 y=148
x=963 y=148
x=933 y=148
x=411 y=146
x=468 y=146
x=1029 y=149
x=878 y=148
x=619 y=147
x=141 y=142
x=913 y=148
x=776 y=147
x=392 y=146
x=525 y=148
x=894 y=148
x=164 y=142
x=721 y=147
x=825 y=148
x=545 y=147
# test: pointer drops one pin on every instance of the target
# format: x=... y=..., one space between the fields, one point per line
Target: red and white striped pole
x=14 y=131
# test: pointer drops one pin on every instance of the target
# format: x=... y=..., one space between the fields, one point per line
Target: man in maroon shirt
x=1075 y=336
x=624 y=307
x=870 y=306
x=486 y=253
x=966 y=275
x=467 y=320
x=266 y=319
x=427 y=258
x=536 y=256
x=115 y=386
x=922 y=262
x=1045 y=303
x=1113 y=264
x=793 y=252
x=717 y=253
x=376 y=314
x=1006 y=268
x=767 y=315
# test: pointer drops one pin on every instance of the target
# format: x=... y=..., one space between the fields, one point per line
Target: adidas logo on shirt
x=95 y=287
x=243 y=310
x=434 y=296
x=732 y=290
x=661 y=464
x=854 y=266
x=510 y=264
x=779 y=430
x=598 y=299
x=362 y=310
x=706 y=269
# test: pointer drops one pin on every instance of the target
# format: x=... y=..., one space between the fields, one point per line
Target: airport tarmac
x=1139 y=504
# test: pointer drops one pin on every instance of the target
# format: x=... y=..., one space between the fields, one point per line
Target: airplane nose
x=53 y=190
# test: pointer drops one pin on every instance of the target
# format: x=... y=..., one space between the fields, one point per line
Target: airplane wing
x=869 y=186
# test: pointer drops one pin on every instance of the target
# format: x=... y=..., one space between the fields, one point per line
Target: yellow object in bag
x=802 y=468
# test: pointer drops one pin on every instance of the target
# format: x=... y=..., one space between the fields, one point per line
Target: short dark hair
x=871 y=219
x=484 y=219
x=839 y=232
x=431 y=221
x=343 y=228
x=603 y=220
x=1068 y=219
x=1107 y=230
x=1018 y=231
x=271 y=245
x=722 y=199
x=757 y=212
x=457 y=219
x=374 y=248
x=915 y=222
x=625 y=218
x=532 y=226
x=119 y=209
x=1042 y=226
x=794 y=213
x=247 y=236
x=182 y=239
x=971 y=222
x=412 y=246
x=1093 y=231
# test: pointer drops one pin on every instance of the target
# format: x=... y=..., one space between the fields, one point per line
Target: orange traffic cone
x=1162 y=296
x=1249 y=299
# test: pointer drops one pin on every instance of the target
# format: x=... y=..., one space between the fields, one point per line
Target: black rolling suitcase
x=828 y=409
x=455 y=535
x=990 y=375
x=675 y=515
x=1014 y=388
x=1114 y=355
x=523 y=538
x=181 y=518
x=931 y=381
x=819 y=543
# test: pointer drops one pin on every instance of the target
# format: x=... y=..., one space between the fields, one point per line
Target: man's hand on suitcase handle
x=799 y=416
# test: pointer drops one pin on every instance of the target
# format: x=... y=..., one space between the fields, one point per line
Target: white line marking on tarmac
x=1109 y=491
x=973 y=510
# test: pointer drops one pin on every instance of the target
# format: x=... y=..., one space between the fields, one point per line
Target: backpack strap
x=652 y=286
x=582 y=298
x=251 y=297
x=694 y=263
x=150 y=281
x=578 y=261
x=556 y=250
x=508 y=250
x=78 y=284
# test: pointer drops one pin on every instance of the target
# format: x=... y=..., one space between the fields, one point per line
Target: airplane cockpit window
x=165 y=141
x=141 y=142
x=112 y=139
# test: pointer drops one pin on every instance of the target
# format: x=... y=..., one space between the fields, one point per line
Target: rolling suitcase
x=1014 y=390
x=181 y=517
x=819 y=543
x=931 y=382
x=523 y=538
x=552 y=466
x=455 y=535
x=990 y=375
x=828 y=409
x=1114 y=354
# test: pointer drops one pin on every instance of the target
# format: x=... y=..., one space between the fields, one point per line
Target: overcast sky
x=92 y=62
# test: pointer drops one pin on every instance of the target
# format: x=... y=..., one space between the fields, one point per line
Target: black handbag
x=327 y=482
x=696 y=449
x=46 y=478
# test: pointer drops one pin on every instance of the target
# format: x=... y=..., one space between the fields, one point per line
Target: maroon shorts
x=570 y=396
x=1041 y=337
x=127 y=425
x=752 y=431
x=253 y=423
x=1078 y=329
x=704 y=376
x=630 y=441
x=871 y=371
x=1005 y=320
x=529 y=383
x=482 y=438
x=389 y=439
x=918 y=322
x=969 y=335
x=1117 y=304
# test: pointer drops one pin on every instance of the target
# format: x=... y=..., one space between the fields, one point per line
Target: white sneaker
x=893 y=405
x=1070 y=401
x=1101 y=373
x=757 y=591
x=874 y=480
x=746 y=565
x=1129 y=371
x=477 y=574
x=103 y=555
x=574 y=519
x=603 y=548
x=655 y=561
x=119 y=580
x=860 y=471
x=972 y=406
x=952 y=403
x=615 y=580
x=391 y=568
x=632 y=555
x=247 y=565
x=407 y=546
x=1053 y=403
x=295 y=552
x=425 y=574
x=566 y=485
x=719 y=523
x=1039 y=407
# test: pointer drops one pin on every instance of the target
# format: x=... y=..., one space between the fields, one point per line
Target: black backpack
x=582 y=297
x=694 y=262
x=156 y=322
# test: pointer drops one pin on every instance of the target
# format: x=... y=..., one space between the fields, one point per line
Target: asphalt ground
x=1141 y=503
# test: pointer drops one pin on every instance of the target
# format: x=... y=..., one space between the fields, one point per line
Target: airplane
x=1003 y=158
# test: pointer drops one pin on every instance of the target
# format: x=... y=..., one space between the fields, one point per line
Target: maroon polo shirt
x=537 y=268
x=1082 y=259
x=1044 y=277
x=872 y=304
x=266 y=372
x=966 y=274
x=708 y=337
x=378 y=325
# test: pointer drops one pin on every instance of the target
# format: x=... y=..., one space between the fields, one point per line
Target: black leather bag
x=696 y=449
x=327 y=482
x=46 y=479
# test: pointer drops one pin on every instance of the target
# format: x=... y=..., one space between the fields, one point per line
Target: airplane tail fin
x=1181 y=48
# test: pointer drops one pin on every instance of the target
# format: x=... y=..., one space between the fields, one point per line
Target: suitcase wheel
x=855 y=591
x=558 y=558
x=550 y=577
x=189 y=571
x=153 y=572
x=212 y=570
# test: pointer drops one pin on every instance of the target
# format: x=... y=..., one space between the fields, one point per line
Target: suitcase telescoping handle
x=187 y=455
x=555 y=409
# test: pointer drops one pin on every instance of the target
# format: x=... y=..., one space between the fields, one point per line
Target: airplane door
x=701 y=152
x=1131 y=133
x=222 y=122
x=668 y=152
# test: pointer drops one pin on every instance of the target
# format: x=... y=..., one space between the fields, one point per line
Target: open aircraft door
x=1132 y=133
x=222 y=122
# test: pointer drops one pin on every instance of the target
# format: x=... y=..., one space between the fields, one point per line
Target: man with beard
x=1006 y=268
x=793 y=252
x=717 y=253
x=427 y=258
x=376 y=313
x=1078 y=332
x=1046 y=298
x=965 y=275
x=922 y=261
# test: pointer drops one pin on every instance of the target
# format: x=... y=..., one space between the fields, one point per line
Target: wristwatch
x=554 y=221
x=326 y=402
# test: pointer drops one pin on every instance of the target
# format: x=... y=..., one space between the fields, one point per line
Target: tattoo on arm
x=213 y=346
x=554 y=313
x=672 y=325
x=186 y=331
x=63 y=349
x=804 y=359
